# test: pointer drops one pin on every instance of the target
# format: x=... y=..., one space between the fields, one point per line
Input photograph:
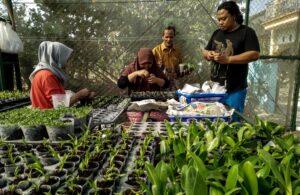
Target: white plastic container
x=60 y=100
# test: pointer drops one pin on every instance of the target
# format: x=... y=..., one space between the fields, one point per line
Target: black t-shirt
x=243 y=39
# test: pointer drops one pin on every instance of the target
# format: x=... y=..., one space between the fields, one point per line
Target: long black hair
x=233 y=9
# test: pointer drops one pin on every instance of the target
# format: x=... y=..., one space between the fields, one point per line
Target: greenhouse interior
x=150 y=97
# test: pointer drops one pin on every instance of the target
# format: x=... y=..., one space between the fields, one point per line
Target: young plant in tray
x=61 y=158
x=84 y=164
x=36 y=165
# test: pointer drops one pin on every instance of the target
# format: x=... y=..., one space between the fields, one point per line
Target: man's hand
x=222 y=58
x=208 y=55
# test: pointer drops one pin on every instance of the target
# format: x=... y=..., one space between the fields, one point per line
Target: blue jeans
x=236 y=100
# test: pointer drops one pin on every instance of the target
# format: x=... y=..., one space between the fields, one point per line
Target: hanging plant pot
x=34 y=133
x=61 y=130
x=10 y=132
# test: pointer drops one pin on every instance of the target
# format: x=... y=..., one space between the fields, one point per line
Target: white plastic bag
x=9 y=40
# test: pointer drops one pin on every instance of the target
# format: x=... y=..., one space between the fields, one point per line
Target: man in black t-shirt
x=231 y=48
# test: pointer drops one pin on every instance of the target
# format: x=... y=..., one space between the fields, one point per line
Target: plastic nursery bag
x=9 y=40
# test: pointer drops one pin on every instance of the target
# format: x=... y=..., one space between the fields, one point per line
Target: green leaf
x=233 y=191
x=232 y=178
x=200 y=166
x=155 y=190
x=215 y=191
x=274 y=191
x=164 y=146
x=228 y=140
x=169 y=130
x=209 y=136
x=250 y=178
x=221 y=128
x=178 y=147
x=273 y=165
x=263 y=172
x=194 y=183
x=151 y=174
x=241 y=133
x=213 y=144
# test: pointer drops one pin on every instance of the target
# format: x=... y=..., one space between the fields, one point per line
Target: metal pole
x=297 y=80
x=247 y=12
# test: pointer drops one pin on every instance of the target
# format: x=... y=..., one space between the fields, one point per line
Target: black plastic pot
x=105 y=183
x=83 y=182
x=12 y=168
x=3 y=184
x=53 y=182
x=10 y=132
x=43 y=189
x=66 y=190
x=119 y=165
x=24 y=147
x=62 y=149
x=42 y=150
x=20 y=178
x=24 y=187
x=61 y=174
x=88 y=174
x=120 y=158
x=60 y=133
x=34 y=133
x=75 y=159
x=93 y=166
x=49 y=161
x=107 y=191
x=70 y=167
x=33 y=173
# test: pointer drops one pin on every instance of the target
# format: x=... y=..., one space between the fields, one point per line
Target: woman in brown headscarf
x=143 y=74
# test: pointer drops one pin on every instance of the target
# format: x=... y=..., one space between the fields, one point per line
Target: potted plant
x=31 y=122
x=9 y=129
x=24 y=187
x=13 y=166
x=60 y=130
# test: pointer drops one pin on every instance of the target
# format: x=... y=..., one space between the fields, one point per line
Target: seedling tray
x=157 y=95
